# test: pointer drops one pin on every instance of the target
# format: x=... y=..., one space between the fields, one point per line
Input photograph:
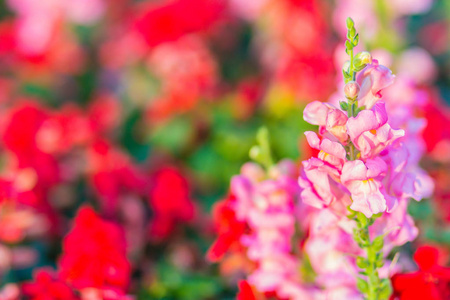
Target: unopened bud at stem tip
x=351 y=90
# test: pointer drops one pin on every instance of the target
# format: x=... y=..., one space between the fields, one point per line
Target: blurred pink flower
x=398 y=226
x=411 y=7
x=417 y=64
x=10 y=291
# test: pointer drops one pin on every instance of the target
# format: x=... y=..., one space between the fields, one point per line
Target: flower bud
x=365 y=57
x=351 y=90
x=346 y=66
x=350 y=23
x=361 y=60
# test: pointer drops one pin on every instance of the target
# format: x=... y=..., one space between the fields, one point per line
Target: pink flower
x=330 y=152
x=363 y=180
x=273 y=272
x=399 y=226
x=370 y=132
x=319 y=190
x=10 y=291
x=372 y=80
x=329 y=118
x=84 y=12
x=417 y=64
x=266 y=204
x=411 y=7
x=242 y=188
x=316 y=113
x=329 y=238
x=406 y=179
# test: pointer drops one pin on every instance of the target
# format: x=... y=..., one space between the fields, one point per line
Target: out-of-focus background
x=122 y=121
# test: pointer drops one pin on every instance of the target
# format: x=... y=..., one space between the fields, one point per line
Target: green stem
x=372 y=286
x=352 y=66
x=261 y=152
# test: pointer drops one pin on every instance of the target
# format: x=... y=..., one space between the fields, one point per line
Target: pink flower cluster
x=365 y=164
x=267 y=203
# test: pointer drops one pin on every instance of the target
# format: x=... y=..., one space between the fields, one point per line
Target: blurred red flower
x=20 y=139
x=46 y=286
x=168 y=20
x=170 y=201
x=245 y=291
x=431 y=281
x=94 y=254
x=111 y=173
x=228 y=227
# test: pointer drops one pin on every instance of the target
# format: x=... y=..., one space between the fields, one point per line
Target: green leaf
x=361 y=262
x=344 y=105
x=356 y=40
x=358 y=110
x=350 y=23
x=362 y=219
x=354 y=108
x=348 y=45
x=385 y=289
x=378 y=243
x=362 y=285
x=371 y=255
x=380 y=263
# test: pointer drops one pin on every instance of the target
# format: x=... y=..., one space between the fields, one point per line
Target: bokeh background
x=142 y=110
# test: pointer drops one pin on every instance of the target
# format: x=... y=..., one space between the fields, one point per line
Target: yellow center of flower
x=323 y=154
x=368 y=180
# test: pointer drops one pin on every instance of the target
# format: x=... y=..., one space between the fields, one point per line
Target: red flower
x=436 y=114
x=229 y=229
x=94 y=253
x=431 y=281
x=245 y=291
x=20 y=139
x=170 y=201
x=46 y=286
x=111 y=172
x=169 y=20
x=187 y=72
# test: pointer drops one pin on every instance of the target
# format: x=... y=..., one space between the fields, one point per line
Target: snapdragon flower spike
x=332 y=171
x=362 y=176
x=267 y=205
x=262 y=212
